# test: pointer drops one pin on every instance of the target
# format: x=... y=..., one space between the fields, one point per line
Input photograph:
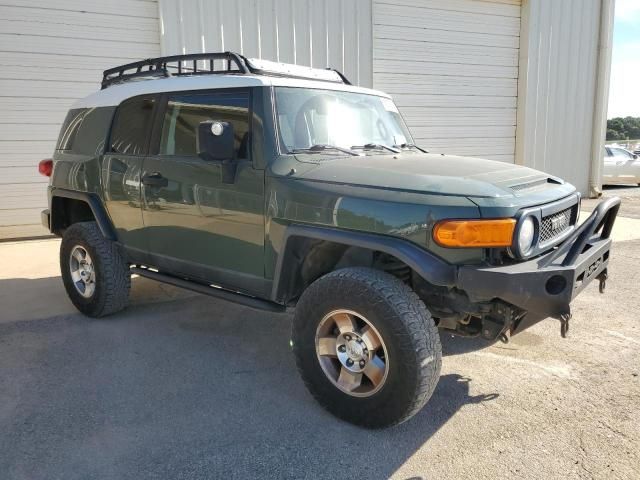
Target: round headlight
x=526 y=235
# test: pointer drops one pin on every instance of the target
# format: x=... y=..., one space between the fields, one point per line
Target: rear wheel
x=94 y=273
x=366 y=347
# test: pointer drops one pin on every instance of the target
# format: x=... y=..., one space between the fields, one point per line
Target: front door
x=195 y=224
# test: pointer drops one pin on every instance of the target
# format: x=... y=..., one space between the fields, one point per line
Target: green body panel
x=413 y=171
x=114 y=178
x=385 y=212
x=80 y=168
x=121 y=195
x=233 y=232
x=199 y=219
x=401 y=195
x=76 y=172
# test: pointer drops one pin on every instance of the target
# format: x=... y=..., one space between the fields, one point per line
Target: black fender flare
x=95 y=204
x=430 y=267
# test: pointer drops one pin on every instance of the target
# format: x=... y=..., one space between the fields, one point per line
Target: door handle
x=155 y=179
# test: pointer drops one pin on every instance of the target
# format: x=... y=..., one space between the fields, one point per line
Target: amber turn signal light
x=474 y=233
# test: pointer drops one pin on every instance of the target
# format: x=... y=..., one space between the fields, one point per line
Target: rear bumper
x=546 y=285
x=45 y=218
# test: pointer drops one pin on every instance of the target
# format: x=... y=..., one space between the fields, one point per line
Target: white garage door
x=52 y=53
x=452 y=67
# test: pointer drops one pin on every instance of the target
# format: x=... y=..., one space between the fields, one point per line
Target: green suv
x=278 y=186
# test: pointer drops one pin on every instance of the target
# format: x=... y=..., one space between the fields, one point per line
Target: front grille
x=556 y=224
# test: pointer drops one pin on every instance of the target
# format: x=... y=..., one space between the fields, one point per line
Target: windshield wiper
x=377 y=146
x=322 y=147
x=411 y=145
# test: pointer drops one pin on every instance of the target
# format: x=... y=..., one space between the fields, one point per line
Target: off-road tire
x=406 y=328
x=112 y=276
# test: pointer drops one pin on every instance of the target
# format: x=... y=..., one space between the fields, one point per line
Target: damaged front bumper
x=545 y=286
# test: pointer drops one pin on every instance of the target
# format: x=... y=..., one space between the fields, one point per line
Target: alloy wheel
x=82 y=271
x=352 y=353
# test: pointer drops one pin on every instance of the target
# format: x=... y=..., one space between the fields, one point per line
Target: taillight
x=45 y=167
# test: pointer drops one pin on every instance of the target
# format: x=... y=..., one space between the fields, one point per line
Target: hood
x=427 y=173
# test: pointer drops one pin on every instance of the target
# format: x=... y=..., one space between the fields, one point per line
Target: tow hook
x=564 y=324
x=603 y=280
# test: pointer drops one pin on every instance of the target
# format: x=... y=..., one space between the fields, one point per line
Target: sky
x=624 y=90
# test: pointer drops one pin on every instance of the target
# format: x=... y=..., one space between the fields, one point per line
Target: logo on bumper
x=594 y=267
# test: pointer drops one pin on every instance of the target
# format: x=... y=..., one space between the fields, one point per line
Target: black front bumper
x=545 y=286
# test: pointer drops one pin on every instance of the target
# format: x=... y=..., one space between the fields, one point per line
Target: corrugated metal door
x=52 y=53
x=316 y=33
x=452 y=68
x=558 y=87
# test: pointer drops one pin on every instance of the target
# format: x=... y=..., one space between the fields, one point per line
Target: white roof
x=115 y=94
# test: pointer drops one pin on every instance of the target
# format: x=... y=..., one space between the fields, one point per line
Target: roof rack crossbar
x=235 y=64
x=188 y=64
x=345 y=80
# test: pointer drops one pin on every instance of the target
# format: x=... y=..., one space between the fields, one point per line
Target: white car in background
x=620 y=167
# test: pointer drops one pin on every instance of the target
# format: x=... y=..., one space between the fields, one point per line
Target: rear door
x=195 y=224
x=122 y=166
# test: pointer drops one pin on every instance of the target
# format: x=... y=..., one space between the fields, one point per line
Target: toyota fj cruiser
x=277 y=186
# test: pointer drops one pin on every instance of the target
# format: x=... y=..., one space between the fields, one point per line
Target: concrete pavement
x=186 y=386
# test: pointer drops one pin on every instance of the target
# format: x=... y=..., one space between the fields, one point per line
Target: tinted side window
x=618 y=152
x=131 y=128
x=70 y=127
x=84 y=130
x=93 y=131
x=185 y=112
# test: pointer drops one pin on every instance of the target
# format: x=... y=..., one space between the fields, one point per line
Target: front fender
x=430 y=267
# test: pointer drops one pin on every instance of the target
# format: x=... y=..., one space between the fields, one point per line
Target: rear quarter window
x=69 y=130
x=84 y=130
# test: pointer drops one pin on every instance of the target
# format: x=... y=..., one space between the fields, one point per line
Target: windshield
x=311 y=117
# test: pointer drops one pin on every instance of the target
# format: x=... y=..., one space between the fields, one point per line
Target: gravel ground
x=198 y=388
x=630 y=196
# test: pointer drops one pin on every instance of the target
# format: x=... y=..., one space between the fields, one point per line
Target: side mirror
x=216 y=143
x=635 y=156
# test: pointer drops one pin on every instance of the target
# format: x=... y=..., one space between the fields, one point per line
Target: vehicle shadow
x=193 y=387
x=613 y=188
x=32 y=299
x=456 y=345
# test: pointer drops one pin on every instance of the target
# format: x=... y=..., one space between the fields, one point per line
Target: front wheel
x=366 y=347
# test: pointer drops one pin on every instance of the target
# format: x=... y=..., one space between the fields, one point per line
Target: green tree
x=613 y=134
x=632 y=127
x=622 y=128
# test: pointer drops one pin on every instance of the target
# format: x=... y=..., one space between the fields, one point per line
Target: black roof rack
x=202 y=64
